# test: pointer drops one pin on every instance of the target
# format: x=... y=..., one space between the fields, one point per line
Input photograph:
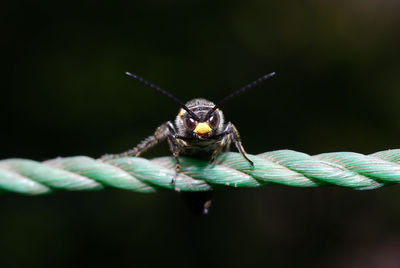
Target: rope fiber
x=287 y=167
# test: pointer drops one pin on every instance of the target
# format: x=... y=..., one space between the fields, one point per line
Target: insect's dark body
x=203 y=138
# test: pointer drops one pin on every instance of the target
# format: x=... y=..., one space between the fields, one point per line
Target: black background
x=64 y=93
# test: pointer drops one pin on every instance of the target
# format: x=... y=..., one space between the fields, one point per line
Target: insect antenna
x=237 y=92
x=164 y=92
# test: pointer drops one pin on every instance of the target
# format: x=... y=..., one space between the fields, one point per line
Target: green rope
x=285 y=167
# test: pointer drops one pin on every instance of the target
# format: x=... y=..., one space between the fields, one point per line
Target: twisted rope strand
x=287 y=167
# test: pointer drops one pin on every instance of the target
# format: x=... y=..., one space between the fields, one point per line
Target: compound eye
x=190 y=123
x=213 y=121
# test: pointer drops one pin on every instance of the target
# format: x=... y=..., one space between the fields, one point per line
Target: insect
x=199 y=129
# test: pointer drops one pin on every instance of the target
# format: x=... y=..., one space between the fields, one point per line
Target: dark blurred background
x=64 y=93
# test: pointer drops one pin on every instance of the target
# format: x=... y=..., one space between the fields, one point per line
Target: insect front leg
x=174 y=144
x=233 y=136
x=222 y=144
x=161 y=133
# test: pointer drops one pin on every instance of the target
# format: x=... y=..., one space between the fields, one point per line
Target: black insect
x=199 y=129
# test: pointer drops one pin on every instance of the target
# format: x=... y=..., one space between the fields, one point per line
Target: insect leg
x=161 y=133
x=234 y=136
x=222 y=144
x=174 y=142
x=175 y=151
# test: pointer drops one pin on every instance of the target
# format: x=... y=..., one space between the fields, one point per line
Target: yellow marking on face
x=202 y=128
x=182 y=112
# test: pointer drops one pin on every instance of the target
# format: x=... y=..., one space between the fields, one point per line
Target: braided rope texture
x=230 y=169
